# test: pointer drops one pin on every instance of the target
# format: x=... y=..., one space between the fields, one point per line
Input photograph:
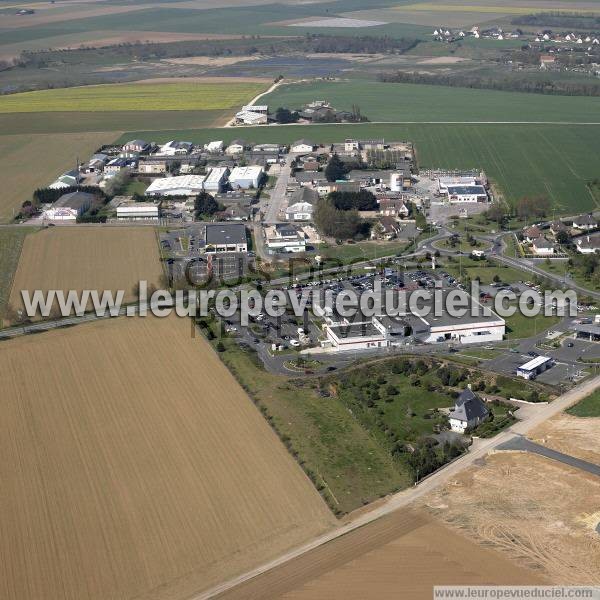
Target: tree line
x=513 y=84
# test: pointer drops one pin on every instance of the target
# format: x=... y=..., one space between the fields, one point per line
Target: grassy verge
x=588 y=407
x=363 y=432
x=520 y=326
x=11 y=243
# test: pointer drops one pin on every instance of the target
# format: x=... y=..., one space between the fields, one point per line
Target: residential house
x=393 y=207
x=588 y=244
x=300 y=211
x=469 y=411
x=117 y=164
x=557 y=227
x=285 y=238
x=175 y=148
x=585 y=222
x=138 y=146
x=542 y=247
x=236 y=147
x=386 y=228
x=151 y=166
x=531 y=233
x=215 y=147
x=303 y=146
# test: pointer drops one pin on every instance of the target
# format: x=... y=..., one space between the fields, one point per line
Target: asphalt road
x=524 y=445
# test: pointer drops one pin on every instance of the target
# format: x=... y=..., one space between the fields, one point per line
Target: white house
x=214 y=147
x=174 y=148
x=469 y=411
x=301 y=211
x=542 y=247
x=285 y=238
x=246 y=177
x=588 y=244
x=236 y=147
x=303 y=147
x=136 y=146
x=585 y=222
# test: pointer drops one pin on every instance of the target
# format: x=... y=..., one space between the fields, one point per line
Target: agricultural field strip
x=406 y=497
x=481 y=8
x=133 y=97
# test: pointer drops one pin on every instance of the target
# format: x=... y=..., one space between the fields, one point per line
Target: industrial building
x=137 y=211
x=246 y=177
x=406 y=327
x=68 y=207
x=225 y=237
x=531 y=369
x=216 y=180
x=285 y=238
x=181 y=185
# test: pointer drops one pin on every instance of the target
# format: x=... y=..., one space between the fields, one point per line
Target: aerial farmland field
x=31 y=161
x=557 y=161
x=404 y=102
x=139 y=469
x=11 y=243
x=134 y=97
x=87 y=258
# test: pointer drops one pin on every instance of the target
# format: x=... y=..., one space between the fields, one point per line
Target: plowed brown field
x=402 y=555
x=132 y=465
x=87 y=258
x=538 y=512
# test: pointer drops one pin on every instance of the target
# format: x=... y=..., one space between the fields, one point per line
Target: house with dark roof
x=585 y=222
x=588 y=244
x=469 y=411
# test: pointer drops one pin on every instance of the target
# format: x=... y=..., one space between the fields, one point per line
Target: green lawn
x=588 y=407
x=403 y=102
x=11 y=243
x=347 y=253
x=520 y=326
x=552 y=160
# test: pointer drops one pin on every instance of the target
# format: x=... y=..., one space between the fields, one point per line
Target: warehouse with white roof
x=182 y=185
x=246 y=177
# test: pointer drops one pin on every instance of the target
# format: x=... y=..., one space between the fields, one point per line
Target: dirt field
x=579 y=437
x=406 y=551
x=134 y=466
x=34 y=160
x=538 y=512
x=87 y=258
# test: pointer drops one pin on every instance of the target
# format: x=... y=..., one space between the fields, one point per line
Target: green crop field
x=554 y=160
x=133 y=97
x=403 y=102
